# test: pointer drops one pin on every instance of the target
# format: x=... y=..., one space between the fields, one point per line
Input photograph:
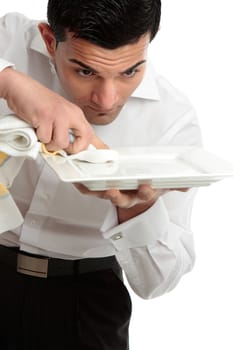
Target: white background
x=193 y=49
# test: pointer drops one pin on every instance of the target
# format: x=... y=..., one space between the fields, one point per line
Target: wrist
x=125 y=214
x=6 y=79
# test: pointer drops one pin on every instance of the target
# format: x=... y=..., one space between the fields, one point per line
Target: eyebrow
x=85 y=66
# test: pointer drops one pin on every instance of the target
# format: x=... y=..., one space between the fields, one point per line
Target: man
x=89 y=63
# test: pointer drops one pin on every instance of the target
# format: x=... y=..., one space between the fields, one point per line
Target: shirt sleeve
x=12 y=32
x=4 y=64
x=156 y=248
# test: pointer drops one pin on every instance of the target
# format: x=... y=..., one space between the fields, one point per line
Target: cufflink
x=116 y=237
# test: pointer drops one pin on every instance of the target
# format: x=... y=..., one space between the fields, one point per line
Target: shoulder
x=15 y=21
x=171 y=95
x=156 y=88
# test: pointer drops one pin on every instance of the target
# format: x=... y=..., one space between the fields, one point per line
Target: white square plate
x=162 y=167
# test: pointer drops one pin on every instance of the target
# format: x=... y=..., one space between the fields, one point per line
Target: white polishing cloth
x=93 y=155
x=18 y=138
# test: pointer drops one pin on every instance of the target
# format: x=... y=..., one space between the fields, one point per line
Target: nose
x=105 y=94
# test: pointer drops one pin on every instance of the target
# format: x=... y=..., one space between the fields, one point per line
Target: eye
x=85 y=72
x=130 y=73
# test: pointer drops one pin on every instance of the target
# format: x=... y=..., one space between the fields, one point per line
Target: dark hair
x=106 y=23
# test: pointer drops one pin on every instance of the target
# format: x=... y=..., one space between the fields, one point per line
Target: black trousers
x=88 y=311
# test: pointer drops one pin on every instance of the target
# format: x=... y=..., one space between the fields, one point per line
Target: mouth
x=102 y=112
x=100 y=116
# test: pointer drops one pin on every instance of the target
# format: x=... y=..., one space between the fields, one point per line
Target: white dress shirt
x=155 y=248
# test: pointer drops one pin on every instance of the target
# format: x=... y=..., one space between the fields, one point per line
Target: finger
x=79 y=144
x=119 y=199
x=122 y=199
x=184 y=189
x=99 y=144
x=180 y=189
x=44 y=133
x=81 y=140
x=146 y=192
x=84 y=190
x=59 y=141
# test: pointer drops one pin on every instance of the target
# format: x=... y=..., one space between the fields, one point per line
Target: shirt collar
x=147 y=89
x=35 y=41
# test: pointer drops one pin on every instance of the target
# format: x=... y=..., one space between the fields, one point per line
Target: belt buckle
x=32 y=266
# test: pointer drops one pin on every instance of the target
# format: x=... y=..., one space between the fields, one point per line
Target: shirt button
x=116 y=237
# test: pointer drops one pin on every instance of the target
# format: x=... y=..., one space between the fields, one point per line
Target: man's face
x=99 y=80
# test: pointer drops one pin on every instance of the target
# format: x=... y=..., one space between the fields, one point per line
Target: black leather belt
x=40 y=266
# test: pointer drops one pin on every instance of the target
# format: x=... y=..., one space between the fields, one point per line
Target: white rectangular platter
x=162 y=167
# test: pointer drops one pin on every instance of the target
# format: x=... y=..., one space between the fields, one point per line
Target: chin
x=101 y=121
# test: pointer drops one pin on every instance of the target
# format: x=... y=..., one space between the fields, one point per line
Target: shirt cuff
x=4 y=64
x=142 y=230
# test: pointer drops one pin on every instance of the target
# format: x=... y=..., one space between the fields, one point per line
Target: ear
x=48 y=37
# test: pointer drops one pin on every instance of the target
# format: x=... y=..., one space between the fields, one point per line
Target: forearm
x=155 y=249
x=5 y=73
x=18 y=90
x=27 y=98
x=51 y=115
x=156 y=269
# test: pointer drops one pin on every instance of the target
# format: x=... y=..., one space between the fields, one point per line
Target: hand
x=129 y=203
x=50 y=114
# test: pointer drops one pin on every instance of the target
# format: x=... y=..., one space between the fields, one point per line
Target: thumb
x=98 y=143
